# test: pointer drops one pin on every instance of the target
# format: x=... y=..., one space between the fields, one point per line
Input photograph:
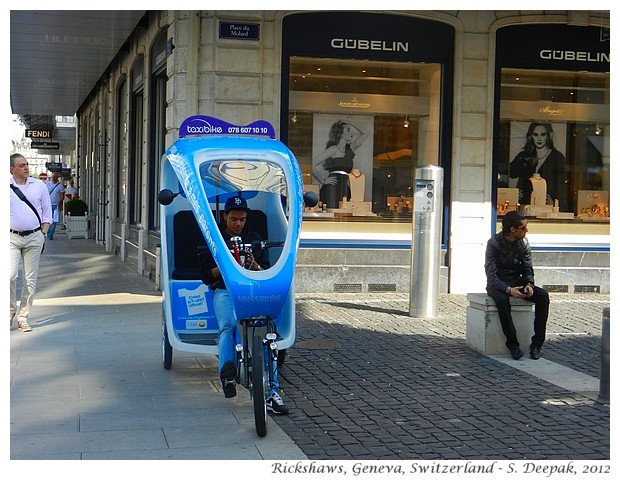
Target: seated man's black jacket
x=507 y=264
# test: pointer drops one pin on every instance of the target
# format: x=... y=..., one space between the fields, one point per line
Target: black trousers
x=540 y=299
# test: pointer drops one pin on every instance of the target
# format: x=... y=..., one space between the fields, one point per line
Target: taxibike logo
x=206 y=128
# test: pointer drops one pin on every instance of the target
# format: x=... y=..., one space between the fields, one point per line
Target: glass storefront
x=363 y=111
x=365 y=126
x=552 y=153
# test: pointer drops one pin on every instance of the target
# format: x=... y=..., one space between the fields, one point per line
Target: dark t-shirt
x=207 y=262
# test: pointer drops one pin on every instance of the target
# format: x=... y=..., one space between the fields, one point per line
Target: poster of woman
x=534 y=153
x=342 y=157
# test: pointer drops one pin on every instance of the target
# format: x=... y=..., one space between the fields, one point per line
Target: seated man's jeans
x=540 y=299
x=227 y=323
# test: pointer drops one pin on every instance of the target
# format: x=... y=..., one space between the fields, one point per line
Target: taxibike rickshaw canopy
x=213 y=161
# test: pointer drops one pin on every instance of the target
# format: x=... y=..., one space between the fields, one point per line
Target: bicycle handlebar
x=264 y=244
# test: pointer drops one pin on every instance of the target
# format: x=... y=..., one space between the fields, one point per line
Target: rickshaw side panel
x=188 y=303
x=192 y=307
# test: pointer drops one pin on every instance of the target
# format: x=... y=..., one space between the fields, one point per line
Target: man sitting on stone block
x=508 y=267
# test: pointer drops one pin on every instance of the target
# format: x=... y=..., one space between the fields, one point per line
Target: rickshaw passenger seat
x=257 y=222
x=189 y=241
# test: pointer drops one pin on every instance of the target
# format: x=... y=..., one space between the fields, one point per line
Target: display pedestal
x=539 y=190
x=354 y=208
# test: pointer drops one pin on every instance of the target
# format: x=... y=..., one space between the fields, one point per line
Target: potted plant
x=76 y=218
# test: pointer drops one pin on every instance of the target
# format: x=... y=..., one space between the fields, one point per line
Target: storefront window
x=552 y=140
x=554 y=154
x=359 y=129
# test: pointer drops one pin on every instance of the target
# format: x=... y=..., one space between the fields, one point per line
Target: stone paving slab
x=88 y=381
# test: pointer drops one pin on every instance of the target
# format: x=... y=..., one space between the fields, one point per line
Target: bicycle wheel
x=258 y=386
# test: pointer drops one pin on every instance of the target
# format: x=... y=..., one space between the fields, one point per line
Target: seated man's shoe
x=275 y=404
x=535 y=353
x=228 y=377
x=516 y=353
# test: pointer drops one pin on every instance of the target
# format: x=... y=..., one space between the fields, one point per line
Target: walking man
x=30 y=218
x=57 y=195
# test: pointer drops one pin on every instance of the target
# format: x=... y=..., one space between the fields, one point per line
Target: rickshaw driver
x=234 y=225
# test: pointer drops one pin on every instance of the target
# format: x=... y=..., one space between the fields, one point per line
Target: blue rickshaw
x=210 y=162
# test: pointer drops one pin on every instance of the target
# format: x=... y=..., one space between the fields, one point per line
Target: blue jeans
x=227 y=329
x=52 y=229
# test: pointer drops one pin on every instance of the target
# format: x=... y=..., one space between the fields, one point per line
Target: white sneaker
x=275 y=404
x=24 y=327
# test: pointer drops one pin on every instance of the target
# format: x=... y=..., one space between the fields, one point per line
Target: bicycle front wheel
x=259 y=382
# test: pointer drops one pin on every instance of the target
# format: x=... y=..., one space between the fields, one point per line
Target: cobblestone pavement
x=366 y=381
x=363 y=380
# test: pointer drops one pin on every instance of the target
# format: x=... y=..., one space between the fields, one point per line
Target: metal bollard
x=426 y=241
x=603 y=394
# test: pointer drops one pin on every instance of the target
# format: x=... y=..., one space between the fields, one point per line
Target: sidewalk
x=88 y=381
x=363 y=380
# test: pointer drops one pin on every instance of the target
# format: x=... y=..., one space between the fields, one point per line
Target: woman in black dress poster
x=332 y=166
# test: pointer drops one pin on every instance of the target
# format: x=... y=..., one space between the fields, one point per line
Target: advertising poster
x=343 y=145
x=519 y=139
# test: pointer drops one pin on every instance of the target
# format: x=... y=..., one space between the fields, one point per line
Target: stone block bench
x=484 y=331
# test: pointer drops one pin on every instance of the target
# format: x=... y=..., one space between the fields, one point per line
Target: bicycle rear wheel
x=258 y=386
x=166 y=348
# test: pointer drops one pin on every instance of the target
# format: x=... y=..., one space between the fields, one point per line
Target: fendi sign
x=38 y=133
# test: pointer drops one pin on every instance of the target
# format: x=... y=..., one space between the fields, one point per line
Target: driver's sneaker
x=228 y=377
x=275 y=404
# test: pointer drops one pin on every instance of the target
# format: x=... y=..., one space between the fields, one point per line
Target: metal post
x=426 y=241
x=603 y=394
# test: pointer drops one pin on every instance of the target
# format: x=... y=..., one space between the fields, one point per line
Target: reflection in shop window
x=359 y=130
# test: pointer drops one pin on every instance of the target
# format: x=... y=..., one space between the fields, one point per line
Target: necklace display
x=539 y=190
x=357 y=183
